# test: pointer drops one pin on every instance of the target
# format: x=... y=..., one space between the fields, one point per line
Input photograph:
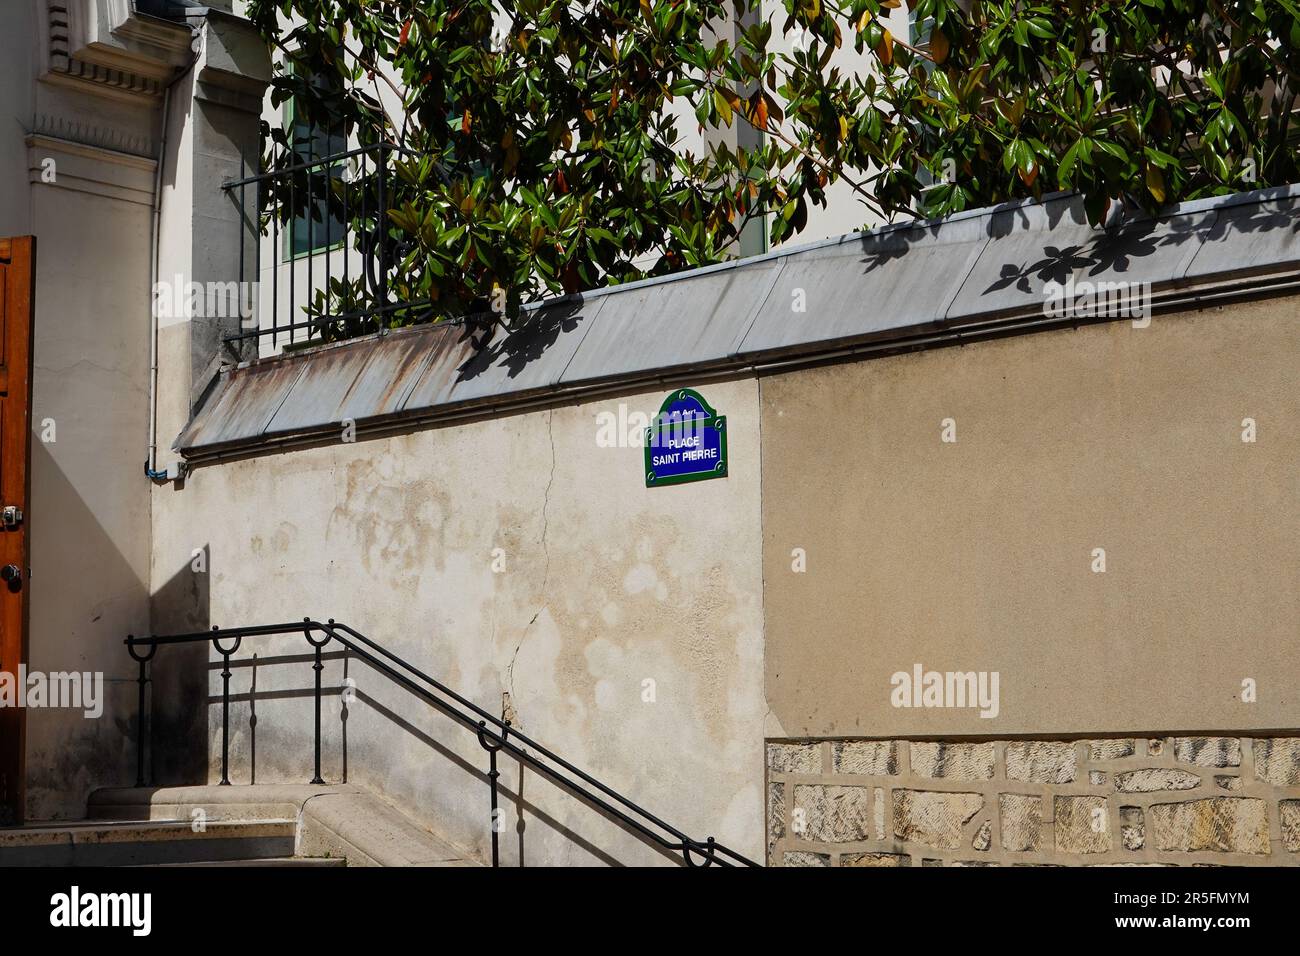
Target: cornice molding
x=158 y=40
x=112 y=81
x=103 y=47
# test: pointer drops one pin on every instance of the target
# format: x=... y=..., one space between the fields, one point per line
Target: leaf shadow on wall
x=511 y=792
x=178 y=731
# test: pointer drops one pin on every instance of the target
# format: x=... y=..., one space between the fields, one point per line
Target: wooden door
x=17 y=309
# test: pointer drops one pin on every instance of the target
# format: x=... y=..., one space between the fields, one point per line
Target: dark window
x=315 y=145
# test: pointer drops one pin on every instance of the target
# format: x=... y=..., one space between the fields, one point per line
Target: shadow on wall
x=290 y=677
x=514 y=818
x=84 y=595
x=178 y=731
x=268 y=675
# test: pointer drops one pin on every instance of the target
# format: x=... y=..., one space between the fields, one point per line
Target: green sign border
x=713 y=420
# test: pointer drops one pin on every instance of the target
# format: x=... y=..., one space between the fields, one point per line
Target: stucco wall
x=89 y=515
x=605 y=585
x=87 y=519
x=978 y=555
x=967 y=556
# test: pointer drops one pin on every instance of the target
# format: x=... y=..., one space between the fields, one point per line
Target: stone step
x=137 y=843
x=340 y=820
x=296 y=861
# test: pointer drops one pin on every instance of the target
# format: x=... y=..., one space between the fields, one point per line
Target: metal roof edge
x=926 y=335
x=737 y=359
x=1187 y=207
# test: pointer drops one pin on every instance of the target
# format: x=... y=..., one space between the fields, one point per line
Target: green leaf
x=1067 y=164
x=723 y=106
x=606 y=85
x=1155 y=183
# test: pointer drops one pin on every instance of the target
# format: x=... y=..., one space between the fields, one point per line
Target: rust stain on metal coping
x=870 y=287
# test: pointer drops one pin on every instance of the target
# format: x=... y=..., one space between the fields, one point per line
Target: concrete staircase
x=262 y=825
x=154 y=843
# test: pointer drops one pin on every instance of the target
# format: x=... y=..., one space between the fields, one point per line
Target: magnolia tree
x=536 y=147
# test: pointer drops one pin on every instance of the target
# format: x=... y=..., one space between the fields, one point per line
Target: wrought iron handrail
x=494 y=735
x=343 y=216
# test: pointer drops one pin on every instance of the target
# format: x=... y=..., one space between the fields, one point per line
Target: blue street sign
x=686 y=442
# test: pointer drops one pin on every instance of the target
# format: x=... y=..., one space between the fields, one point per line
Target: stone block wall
x=1161 y=801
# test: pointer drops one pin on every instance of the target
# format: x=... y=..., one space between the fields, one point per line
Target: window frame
x=287 y=252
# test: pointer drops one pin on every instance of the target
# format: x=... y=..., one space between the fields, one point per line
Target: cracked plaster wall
x=599 y=585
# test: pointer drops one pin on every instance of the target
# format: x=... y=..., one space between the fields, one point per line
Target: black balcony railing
x=494 y=735
x=332 y=247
